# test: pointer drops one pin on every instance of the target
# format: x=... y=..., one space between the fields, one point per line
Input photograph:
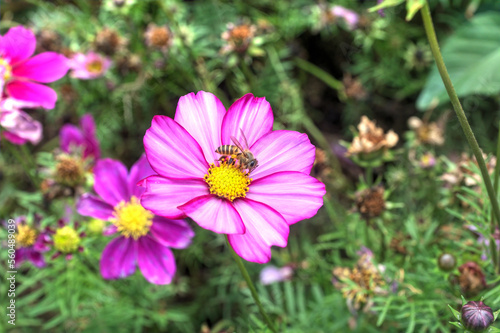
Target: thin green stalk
x=321 y=74
x=369 y=176
x=250 y=284
x=469 y=134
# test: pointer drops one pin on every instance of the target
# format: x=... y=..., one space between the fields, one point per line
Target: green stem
x=322 y=75
x=250 y=284
x=469 y=134
x=369 y=176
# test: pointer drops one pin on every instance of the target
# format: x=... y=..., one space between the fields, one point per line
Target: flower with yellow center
x=26 y=235
x=94 y=66
x=227 y=181
x=131 y=219
x=7 y=69
x=66 y=240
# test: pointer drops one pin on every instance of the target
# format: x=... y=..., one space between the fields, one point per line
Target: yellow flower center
x=131 y=219
x=94 y=67
x=26 y=235
x=66 y=240
x=227 y=181
x=7 y=70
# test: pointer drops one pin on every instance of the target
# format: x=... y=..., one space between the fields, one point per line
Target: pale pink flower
x=88 y=66
x=350 y=17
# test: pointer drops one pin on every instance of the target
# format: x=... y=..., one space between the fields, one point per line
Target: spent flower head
x=238 y=37
x=158 y=37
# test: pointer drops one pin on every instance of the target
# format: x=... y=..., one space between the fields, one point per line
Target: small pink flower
x=271 y=274
x=88 y=66
x=31 y=242
x=19 y=70
x=145 y=239
x=350 y=17
x=255 y=212
x=84 y=138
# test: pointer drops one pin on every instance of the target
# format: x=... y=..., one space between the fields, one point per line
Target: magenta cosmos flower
x=31 y=242
x=88 y=66
x=83 y=139
x=16 y=48
x=254 y=210
x=144 y=238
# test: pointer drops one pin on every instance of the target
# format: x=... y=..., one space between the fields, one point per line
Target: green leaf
x=471 y=55
x=456 y=314
x=385 y=4
x=412 y=7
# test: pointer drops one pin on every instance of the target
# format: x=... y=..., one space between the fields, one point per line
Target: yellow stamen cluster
x=7 y=73
x=26 y=235
x=95 y=66
x=131 y=219
x=66 y=240
x=227 y=181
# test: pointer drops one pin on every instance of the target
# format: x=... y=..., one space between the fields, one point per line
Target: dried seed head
x=108 y=41
x=48 y=41
x=158 y=37
x=471 y=279
x=370 y=202
x=69 y=170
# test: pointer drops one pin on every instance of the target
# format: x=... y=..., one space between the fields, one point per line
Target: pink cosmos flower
x=84 y=138
x=145 y=239
x=88 y=66
x=18 y=125
x=255 y=212
x=19 y=70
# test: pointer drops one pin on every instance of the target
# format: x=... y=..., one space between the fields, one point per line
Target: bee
x=245 y=158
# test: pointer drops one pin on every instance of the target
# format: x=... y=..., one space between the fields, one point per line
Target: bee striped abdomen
x=228 y=150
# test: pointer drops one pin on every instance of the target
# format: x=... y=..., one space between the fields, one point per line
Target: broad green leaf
x=386 y=4
x=412 y=7
x=472 y=56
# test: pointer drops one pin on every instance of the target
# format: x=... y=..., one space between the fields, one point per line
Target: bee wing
x=237 y=143
x=245 y=139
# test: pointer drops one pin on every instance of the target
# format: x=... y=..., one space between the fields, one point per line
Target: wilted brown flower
x=129 y=63
x=353 y=88
x=48 y=41
x=471 y=279
x=371 y=139
x=463 y=173
x=69 y=170
x=366 y=277
x=370 y=202
x=108 y=41
x=429 y=133
x=158 y=37
x=238 y=37
x=320 y=169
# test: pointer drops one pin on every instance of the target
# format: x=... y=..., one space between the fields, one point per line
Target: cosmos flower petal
x=17 y=44
x=252 y=115
x=265 y=227
x=37 y=259
x=164 y=195
x=201 y=115
x=215 y=214
x=111 y=181
x=32 y=92
x=172 y=151
x=90 y=205
x=119 y=258
x=44 y=67
x=89 y=132
x=156 y=262
x=69 y=136
x=283 y=151
x=296 y=196
x=172 y=233
x=140 y=170
x=110 y=230
x=20 y=127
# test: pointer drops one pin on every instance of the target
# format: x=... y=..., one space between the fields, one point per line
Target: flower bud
x=476 y=316
x=447 y=262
